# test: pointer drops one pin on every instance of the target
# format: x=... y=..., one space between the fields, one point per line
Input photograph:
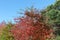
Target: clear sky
x=9 y=9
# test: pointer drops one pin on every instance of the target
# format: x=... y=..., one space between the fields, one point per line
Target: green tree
x=51 y=14
x=6 y=34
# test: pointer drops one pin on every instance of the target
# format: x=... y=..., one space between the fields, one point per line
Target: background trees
x=52 y=16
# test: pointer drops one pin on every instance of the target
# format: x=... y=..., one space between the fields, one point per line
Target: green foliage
x=54 y=16
x=51 y=15
x=52 y=12
x=57 y=5
x=6 y=34
x=57 y=38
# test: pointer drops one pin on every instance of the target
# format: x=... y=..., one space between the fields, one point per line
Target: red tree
x=30 y=27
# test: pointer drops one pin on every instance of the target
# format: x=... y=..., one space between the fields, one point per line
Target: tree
x=6 y=34
x=2 y=26
x=30 y=27
x=51 y=15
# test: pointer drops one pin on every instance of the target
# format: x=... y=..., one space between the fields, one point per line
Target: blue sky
x=9 y=9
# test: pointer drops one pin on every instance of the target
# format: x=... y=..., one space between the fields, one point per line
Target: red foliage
x=29 y=28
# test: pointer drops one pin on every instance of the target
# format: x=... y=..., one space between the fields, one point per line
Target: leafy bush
x=6 y=34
